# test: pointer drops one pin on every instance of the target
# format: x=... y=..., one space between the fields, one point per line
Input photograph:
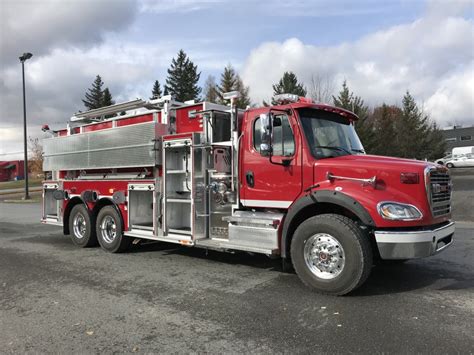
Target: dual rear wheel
x=106 y=229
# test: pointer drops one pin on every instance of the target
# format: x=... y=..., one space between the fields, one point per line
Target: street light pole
x=23 y=59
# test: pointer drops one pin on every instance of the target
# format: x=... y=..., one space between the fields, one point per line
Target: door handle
x=250 y=179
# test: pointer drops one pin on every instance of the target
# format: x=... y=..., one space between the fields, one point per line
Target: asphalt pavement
x=57 y=298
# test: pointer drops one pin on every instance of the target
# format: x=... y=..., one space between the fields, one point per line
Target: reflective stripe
x=266 y=203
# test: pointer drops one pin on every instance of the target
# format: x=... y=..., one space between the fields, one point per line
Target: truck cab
x=291 y=181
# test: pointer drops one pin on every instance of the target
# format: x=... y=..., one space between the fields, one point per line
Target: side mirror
x=265 y=134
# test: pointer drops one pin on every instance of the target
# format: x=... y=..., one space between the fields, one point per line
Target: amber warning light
x=409 y=178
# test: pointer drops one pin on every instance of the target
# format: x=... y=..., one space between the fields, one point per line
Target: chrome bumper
x=415 y=244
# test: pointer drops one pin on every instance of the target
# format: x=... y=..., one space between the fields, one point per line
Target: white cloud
x=40 y=26
x=454 y=98
x=432 y=57
x=176 y=6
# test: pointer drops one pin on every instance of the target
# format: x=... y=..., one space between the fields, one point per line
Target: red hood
x=376 y=162
x=388 y=186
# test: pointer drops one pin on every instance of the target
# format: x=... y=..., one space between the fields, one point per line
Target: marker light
x=409 y=178
x=399 y=211
x=285 y=98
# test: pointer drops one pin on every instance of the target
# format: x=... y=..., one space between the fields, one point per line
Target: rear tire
x=110 y=231
x=80 y=227
x=331 y=254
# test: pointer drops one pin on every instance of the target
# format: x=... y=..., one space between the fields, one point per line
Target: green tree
x=244 y=100
x=364 y=127
x=231 y=81
x=94 y=95
x=288 y=84
x=107 y=98
x=156 y=91
x=417 y=136
x=436 y=143
x=211 y=92
x=183 y=77
x=228 y=82
x=383 y=119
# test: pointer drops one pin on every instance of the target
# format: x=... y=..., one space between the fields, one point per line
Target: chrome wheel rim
x=108 y=229
x=324 y=256
x=79 y=225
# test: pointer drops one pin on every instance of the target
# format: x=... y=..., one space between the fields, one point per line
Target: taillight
x=409 y=178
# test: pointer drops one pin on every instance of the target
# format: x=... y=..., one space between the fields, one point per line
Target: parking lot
x=55 y=297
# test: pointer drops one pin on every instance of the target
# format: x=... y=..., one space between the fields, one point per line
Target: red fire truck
x=289 y=181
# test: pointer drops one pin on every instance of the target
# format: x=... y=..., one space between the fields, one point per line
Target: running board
x=220 y=245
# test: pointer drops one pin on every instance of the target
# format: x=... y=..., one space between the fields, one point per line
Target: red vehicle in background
x=289 y=181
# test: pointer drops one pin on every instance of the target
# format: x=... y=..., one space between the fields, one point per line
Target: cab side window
x=283 y=140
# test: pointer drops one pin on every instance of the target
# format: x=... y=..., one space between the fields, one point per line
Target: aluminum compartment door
x=201 y=195
x=52 y=208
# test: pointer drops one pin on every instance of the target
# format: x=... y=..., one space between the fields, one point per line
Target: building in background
x=458 y=136
x=11 y=170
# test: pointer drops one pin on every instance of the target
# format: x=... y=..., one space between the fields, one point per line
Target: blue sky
x=382 y=49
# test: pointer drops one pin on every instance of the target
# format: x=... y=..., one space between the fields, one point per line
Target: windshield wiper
x=334 y=148
x=358 y=150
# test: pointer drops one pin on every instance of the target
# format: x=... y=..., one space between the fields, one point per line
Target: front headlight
x=398 y=211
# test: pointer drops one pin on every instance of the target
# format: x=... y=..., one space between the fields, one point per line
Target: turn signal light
x=409 y=178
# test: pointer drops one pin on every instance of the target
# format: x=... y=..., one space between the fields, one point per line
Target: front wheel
x=450 y=165
x=331 y=254
x=109 y=231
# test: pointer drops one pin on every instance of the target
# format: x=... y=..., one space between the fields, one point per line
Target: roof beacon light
x=231 y=95
x=286 y=98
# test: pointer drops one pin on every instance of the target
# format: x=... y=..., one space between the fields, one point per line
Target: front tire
x=450 y=165
x=110 y=232
x=80 y=227
x=331 y=254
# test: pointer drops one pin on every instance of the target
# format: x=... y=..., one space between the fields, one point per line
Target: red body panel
x=97 y=126
x=104 y=189
x=135 y=120
x=273 y=182
x=186 y=124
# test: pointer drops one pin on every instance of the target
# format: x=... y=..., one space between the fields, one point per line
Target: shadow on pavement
x=384 y=279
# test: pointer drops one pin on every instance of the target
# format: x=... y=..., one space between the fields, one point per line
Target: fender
x=313 y=198
x=67 y=211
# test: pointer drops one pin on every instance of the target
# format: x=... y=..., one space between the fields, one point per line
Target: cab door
x=271 y=181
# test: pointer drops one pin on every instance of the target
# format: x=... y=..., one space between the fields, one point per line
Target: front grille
x=439 y=192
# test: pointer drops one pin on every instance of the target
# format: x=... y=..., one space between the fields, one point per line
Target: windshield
x=329 y=134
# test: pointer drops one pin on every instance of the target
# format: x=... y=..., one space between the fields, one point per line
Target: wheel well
x=73 y=202
x=311 y=211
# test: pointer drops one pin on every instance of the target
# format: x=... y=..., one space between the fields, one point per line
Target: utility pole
x=23 y=59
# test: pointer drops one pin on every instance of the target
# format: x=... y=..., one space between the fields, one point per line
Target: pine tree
x=231 y=81
x=107 y=101
x=383 y=119
x=228 y=83
x=107 y=98
x=288 y=84
x=94 y=95
x=183 y=78
x=211 y=92
x=156 y=91
x=435 y=142
x=347 y=100
x=244 y=100
x=417 y=136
